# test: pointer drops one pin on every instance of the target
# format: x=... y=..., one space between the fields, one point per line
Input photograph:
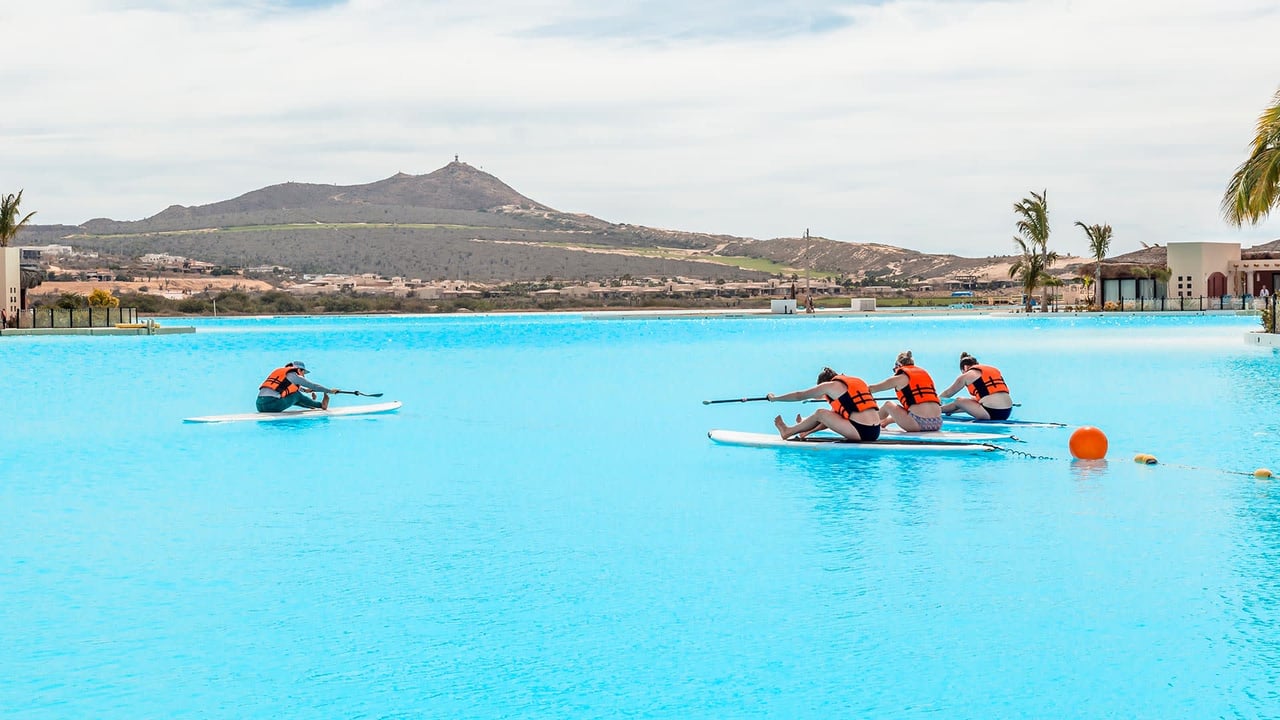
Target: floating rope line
x=1260 y=473
x=1019 y=453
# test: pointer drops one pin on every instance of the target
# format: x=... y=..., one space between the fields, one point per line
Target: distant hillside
x=461 y=222
x=860 y=259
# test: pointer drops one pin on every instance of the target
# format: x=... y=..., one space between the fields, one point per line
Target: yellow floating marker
x=1145 y=459
x=1262 y=473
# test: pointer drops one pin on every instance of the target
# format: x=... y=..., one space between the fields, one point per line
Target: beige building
x=11 y=273
x=1214 y=269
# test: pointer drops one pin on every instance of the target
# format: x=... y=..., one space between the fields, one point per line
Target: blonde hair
x=904 y=358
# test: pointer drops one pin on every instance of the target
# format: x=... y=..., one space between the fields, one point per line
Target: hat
x=298 y=364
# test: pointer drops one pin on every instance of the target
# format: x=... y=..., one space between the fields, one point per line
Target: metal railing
x=78 y=318
x=1184 y=304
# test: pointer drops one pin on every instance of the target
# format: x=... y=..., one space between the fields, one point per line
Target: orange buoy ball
x=1262 y=473
x=1088 y=443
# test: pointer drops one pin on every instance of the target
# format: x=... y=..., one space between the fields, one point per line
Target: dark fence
x=1186 y=304
x=78 y=318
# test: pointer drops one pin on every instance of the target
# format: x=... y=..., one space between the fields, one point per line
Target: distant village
x=176 y=277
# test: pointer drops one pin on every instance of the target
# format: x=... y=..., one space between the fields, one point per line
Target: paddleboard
x=370 y=409
x=970 y=422
x=829 y=443
x=897 y=433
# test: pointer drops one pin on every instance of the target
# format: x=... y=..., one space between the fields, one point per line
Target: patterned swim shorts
x=927 y=424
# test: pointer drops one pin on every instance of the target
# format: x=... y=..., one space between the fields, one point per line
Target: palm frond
x=1254 y=189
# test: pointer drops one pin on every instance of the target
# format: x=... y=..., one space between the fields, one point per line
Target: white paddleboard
x=897 y=433
x=370 y=409
x=829 y=443
x=967 y=421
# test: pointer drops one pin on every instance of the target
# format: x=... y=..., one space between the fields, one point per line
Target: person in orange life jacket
x=283 y=389
x=853 y=413
x=990 y=396
x=918 y=408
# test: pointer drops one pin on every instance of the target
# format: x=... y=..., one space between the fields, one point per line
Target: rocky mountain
x=461 y=222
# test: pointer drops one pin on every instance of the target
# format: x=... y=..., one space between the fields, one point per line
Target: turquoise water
x=544 y=530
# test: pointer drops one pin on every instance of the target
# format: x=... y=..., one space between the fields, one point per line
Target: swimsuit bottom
x=868 y=433
x=926 y=424
x=999 y=414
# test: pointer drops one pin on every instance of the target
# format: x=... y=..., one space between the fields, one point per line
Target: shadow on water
x=853 y=495
x=1088 y=471
x=1255 y=557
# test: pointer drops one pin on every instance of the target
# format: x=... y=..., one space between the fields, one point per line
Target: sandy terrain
x=156 y=286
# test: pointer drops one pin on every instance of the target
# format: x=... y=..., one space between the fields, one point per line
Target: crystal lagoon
x=543 y=530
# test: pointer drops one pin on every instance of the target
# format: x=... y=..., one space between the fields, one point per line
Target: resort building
x=1214 y=269
x=1192 y=270
x=11 y=274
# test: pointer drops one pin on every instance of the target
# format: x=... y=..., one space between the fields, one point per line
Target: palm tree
x=9 y=222
x=1032 y=268
x=1099 y=244
x=1254 y=189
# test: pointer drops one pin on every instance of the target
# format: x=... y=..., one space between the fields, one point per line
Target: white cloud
x=913 y=123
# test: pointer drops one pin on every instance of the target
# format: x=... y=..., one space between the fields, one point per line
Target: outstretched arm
x=306 y=384
x=965 y=378
x=826 y=389
x=893 y=382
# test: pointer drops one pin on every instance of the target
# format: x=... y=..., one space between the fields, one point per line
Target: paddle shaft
x=882 y=399
x=356 y=392
x=750 y=399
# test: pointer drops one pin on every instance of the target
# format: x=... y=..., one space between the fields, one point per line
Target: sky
x=913 y=123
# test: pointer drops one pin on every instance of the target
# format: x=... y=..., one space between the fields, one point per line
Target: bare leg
x=972 y=407
x=891 y=413
x=806 y=426
x=838 y=424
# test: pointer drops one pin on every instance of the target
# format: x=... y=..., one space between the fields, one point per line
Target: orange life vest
x=991 y=381
x=856 y=398
x=279 y=381
x=919 y=387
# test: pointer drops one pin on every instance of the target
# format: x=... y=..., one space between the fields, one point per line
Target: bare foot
x=324 y=404
x=782 y=427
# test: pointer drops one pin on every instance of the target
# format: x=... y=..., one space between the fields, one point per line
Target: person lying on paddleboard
x=283 y=389
x=853 y=412
x=990 y=396
x=918 y=408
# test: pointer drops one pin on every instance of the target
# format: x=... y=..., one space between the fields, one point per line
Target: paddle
x=751 y=399
x=894 y=398
x=356 y=392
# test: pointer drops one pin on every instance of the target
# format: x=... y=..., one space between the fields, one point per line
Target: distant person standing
x=283 y=389
x=808 y=303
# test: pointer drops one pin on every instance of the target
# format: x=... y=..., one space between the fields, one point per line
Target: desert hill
x=460 y=222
